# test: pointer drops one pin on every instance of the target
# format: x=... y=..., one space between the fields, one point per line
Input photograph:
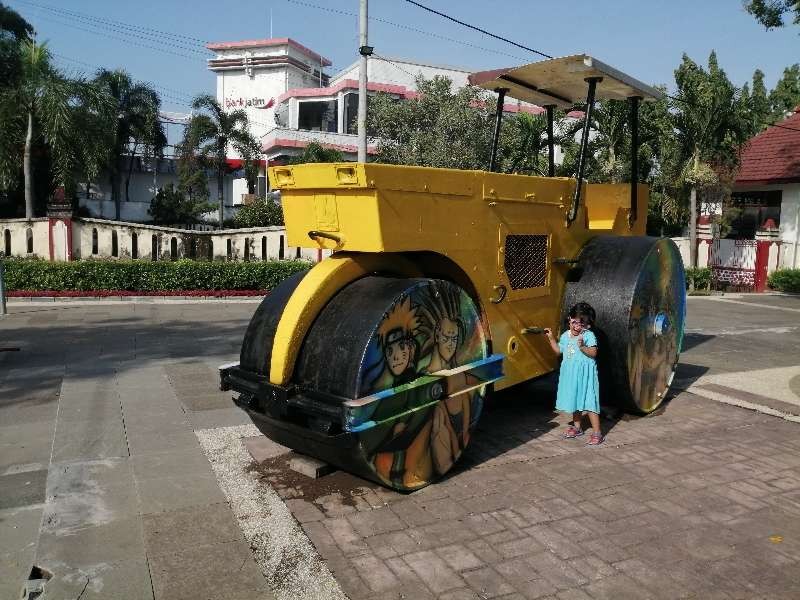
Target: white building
x=292 y=102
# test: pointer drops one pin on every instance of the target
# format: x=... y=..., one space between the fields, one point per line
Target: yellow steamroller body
x=378 y=358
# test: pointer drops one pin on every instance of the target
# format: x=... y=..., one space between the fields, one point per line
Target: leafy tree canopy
x=13 y=24
x=785 y=96
x=316 y=153
x=771 y=13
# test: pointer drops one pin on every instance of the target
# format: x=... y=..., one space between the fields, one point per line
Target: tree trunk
x=693 y=216
x=116 y=194
x=131 y=158
x=26 y=165
x=220 y=195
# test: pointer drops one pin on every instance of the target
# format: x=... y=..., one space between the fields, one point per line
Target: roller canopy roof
x=561 y=82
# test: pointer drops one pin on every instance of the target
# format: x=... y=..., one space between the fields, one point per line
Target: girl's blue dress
x=578 y=386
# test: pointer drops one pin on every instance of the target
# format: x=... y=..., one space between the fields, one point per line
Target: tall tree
x=41 y=107
x=440 y=127
x=212 y=132
x=135 y=125
x=192 y=176
x=711 y=124
x=770 y=13
x=13 y=29
x=759 y=102
x=785 y=96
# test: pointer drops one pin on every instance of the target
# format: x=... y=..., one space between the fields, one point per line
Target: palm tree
x=41 y=106
x=136 y=107
x=710 y=124
x=213 y=131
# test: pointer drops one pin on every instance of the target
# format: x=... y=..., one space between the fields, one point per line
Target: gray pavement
x=103 y=482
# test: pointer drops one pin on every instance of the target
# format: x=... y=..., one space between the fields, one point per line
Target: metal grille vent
x=526 y=261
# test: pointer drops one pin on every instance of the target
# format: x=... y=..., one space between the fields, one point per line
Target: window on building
x=749 y=211
x=173 y=248
x=297 y=253
x=317 y=115
x=114 y=244
x=280 y=248
x=29 y=240
x=193 y=247
x=230 y=249
x=351 y=113
x=134 y=245
x=7 y=242
x=210 y=249
x=94 y=240
x=263 y=247
x=247 y=248
x=154 y=247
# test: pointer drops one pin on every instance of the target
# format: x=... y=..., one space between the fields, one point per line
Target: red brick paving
x=676 y=505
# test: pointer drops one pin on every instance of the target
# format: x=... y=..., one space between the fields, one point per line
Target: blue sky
x=644 y=38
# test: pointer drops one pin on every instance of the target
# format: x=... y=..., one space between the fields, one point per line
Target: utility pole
x=364 y=50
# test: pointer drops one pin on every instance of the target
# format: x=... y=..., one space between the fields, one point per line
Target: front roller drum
x=637 y=287
x=401 y=368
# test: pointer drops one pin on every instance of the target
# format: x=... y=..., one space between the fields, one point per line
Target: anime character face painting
x=447 y=336
x=398 y=345
x=397 y=351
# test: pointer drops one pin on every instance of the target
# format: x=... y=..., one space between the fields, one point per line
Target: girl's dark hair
x=583 y=310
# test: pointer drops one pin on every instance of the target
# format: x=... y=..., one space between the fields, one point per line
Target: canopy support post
x=576 y=200
x=634 y=106
x=551 y=151
x=498 y=119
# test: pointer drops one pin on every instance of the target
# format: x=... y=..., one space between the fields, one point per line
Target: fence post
x=3 y=311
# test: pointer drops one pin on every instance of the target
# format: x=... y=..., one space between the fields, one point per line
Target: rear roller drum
x=375 y=343
x=637 y=287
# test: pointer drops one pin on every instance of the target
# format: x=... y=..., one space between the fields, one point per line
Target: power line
x=483 y=31
x=405 y=27
x=107 y=21
x=113 y=37
x=169 y=91
x=125 y=30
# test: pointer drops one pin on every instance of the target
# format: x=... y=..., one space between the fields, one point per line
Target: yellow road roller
x=378 y=358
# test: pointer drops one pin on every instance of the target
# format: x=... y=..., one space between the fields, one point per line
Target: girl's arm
x=590 y=351
x=553 y=343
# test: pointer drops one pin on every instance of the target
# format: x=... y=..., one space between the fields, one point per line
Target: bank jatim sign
x=248 y=102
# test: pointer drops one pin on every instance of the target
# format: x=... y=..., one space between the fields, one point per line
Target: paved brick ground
x=683 y=504
x=102 y=479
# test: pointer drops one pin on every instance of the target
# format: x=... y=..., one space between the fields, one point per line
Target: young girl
x=578 y=386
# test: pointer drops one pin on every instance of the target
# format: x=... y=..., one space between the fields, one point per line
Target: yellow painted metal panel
x=319 y=285
x=384 y=211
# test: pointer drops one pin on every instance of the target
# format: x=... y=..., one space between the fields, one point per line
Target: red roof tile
x=773 y=156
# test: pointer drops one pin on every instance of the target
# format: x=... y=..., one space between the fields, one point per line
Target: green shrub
x=171 y=206
x=263 y=212
x=701 y=276
x=140 y=275
x=785 y=280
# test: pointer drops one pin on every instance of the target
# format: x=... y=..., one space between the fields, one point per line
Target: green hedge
x=140 y=275
x=785 y=280
x=701 y=276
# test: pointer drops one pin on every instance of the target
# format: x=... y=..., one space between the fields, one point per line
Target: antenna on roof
x=270 y=22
